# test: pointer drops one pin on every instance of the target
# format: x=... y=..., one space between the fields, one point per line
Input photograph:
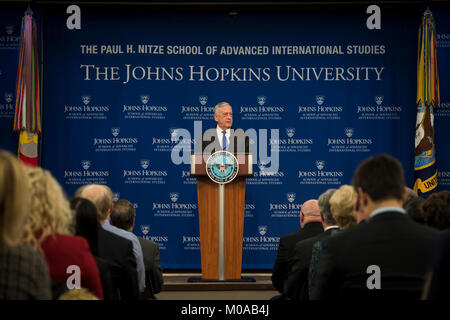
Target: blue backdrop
x=132 y=84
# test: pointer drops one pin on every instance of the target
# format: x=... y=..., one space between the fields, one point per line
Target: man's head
x=122 y=215
x=324 y=207
x=223 y=114
x=436 y=209
x=379 y=180
x=310 y=212
x=101 y=196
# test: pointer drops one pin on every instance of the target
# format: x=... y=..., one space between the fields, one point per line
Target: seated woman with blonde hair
x=342 y=204
x=47 y=228
x=23 y=271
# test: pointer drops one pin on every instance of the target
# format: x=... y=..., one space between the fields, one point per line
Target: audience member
x=436 y=210
x=24 y=273
x=413 y=206
x=47 y=228
x=389 y=240
x=123 y=217
x=115 y=249
x=414 y=209
x=342 y=205
x=86 y=226
x=77 y=294
x=296 y=287
x=347 y=211
x=311 y=225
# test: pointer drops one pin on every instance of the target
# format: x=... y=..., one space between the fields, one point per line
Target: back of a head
x=100 y=195
x=412 y=196
x=381 y=177
x=86 y=223
x=122 y=215
x=49 y=209
x=436 y=210
x=310 y=211
x=324 y=206
x=342 y=206
x=414 y=209
x=13 y=199
x=78 y=294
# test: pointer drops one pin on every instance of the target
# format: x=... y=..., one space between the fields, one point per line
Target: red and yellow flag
x=27 y=117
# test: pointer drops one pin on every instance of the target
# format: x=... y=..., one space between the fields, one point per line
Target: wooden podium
x=221 y=219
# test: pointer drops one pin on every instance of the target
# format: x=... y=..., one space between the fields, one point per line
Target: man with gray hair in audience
x=102 y=197
x=296 y=286
x=123 y=217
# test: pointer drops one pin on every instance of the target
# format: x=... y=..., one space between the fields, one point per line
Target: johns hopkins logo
x=320 y=100
x=349 y=132
x=291 y=196
x=379 y=100
x=86 y=164
x=115 y=131
x=145 y=163
x=9 y=30
x=86 y=99
x=320 y=164
x=290 y=132
x=145 y=229
x=173 y=133
x=174 y=196
x=261 y=100
x=145 y=98
x=262 y=230
x=8 y=97
x=203 y=100
x=116 y=196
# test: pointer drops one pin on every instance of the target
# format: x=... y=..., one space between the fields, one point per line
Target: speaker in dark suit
x=386 y=257
x=237 y=142
x=223 y=137
x=311 y=225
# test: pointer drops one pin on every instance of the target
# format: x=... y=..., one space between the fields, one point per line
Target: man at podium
x=220 y=208
x=223 y=137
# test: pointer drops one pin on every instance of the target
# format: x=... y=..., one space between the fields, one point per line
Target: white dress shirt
x=220 y=135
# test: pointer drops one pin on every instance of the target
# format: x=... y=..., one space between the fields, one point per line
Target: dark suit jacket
x=106 y=279
x=210 y=142
x=153 y=271
x=296 y=286
x=390 y=240
x=118 y=252
x=440 y=281
x=286 y=250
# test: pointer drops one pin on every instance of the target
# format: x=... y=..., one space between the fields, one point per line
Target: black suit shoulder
x=392 y=230
x=286 y=249
x=153 y=270
x=390 y=240
x=118 y=252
